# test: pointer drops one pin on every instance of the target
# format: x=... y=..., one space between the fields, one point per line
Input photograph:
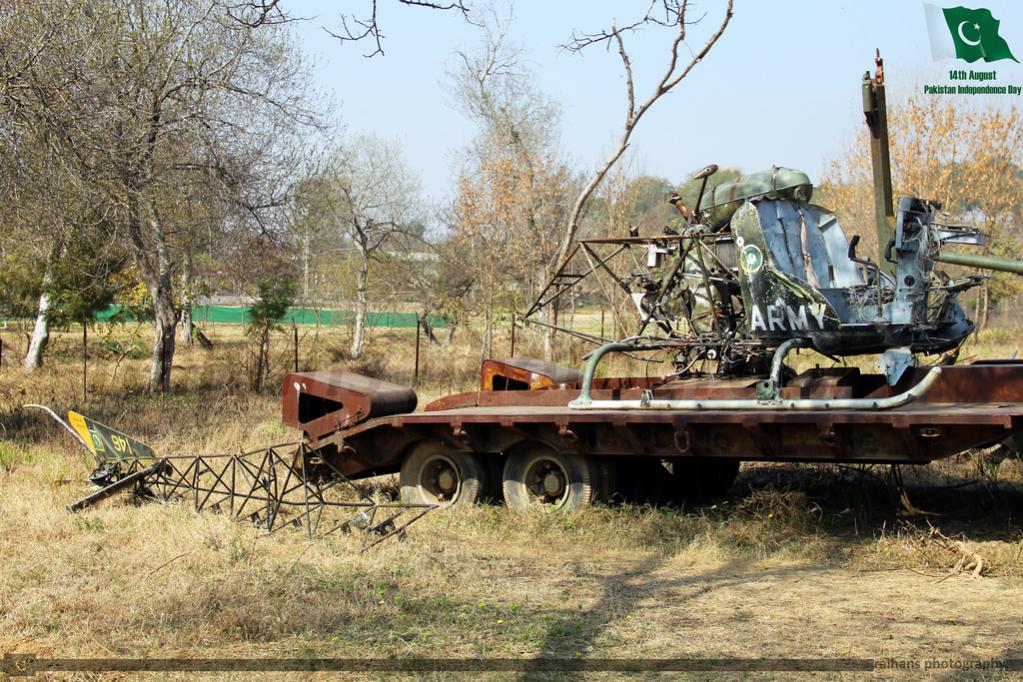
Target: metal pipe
x=591 y=368
x=778 y=405
x=976 y=261
x=777 y=362
x=68 y=428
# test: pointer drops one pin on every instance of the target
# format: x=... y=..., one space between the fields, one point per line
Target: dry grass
x=798 y=561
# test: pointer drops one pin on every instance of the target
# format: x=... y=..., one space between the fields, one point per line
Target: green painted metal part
x=985 y=262
x=875 y=110
x=719 y=205
x=591 y=367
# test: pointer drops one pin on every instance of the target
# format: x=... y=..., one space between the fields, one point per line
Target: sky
x=780 y=87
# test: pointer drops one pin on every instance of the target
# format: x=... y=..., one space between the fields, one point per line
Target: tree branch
x=675 y=16
x=354 y=29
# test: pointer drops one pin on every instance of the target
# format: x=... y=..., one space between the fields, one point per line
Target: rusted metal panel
x=985 y=383
x=323 y=402
x=605 y=388
x=526 y=374
x=920 y=433
x=837 y=382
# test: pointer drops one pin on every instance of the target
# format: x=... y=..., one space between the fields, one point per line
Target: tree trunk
x=361 y=306
x=984 y=312
x=488 y=332
x=187 y=330
x=41 y=333
x=545 y=317
x=262 y=360
x=306 y=256
x=164 y=323
x=548 y=339
x=159 y=283
x=431 y=336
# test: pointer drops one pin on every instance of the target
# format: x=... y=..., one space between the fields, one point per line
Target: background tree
x=513 y=186
x=365 y=26
x=138 y=99
x=671 y=14
x=316 y=240
x=371 y=198
x=273 y=298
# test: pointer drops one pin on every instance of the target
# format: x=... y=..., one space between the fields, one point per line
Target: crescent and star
x=966 y=40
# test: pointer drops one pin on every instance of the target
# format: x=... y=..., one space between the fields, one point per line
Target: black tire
x=433 y=473
x=539 y=477
x=697 y=480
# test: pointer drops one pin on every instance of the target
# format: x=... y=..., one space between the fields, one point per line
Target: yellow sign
x=77 y=422
x=107 y=443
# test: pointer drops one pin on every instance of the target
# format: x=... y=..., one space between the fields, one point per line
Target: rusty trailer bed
x=495 y=422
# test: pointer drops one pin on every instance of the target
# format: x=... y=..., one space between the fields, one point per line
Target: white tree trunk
x=40 y=335
x=187 y=329
x=548 y=344
x=361 y=307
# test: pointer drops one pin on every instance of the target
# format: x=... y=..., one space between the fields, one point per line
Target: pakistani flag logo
x=967 y=34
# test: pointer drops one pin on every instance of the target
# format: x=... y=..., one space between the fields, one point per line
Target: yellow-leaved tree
x=513 y=187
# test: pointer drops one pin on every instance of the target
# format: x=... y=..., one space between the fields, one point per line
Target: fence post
x=602 y=322
x=415 y=373
x=513 y=334
x=85 y=363
x=294 y=332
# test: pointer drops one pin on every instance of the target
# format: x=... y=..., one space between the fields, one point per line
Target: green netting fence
x=224 y=314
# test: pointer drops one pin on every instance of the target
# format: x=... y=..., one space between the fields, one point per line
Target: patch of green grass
x=11 y=456
x=133 y=349
x=274 y=430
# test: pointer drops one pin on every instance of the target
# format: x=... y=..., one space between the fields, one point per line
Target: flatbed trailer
x=524 y=436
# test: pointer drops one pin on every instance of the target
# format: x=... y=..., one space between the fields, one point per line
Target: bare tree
x=373 y=199
x=513 y=184
x=141 y=100
x=355 y=28
x=671 y=14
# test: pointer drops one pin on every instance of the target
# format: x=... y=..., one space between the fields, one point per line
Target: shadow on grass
x=852 y=502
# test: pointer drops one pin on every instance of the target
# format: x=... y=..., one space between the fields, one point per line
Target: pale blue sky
x=780 y=87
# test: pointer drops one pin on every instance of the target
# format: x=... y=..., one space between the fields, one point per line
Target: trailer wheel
x=702 y=479
x=538 y=477
x=432 y=473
